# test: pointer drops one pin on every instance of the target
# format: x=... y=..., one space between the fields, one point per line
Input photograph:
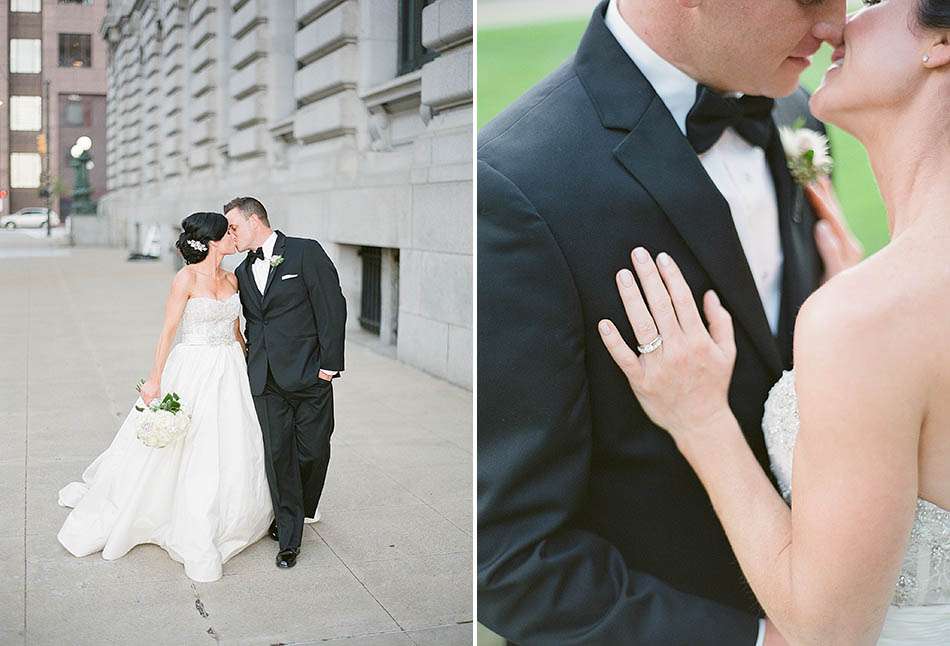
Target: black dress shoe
x=287 y=558
x=273 y=531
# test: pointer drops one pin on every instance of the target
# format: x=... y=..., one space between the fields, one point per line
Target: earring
x=926 y=57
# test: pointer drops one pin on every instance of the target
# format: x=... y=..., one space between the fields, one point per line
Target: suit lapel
x=700 y=214
x=279 y=247
x=799 y=278
x=247 y=280
x=661 y=159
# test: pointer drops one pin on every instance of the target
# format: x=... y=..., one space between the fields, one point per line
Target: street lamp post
x=47 y=165
x=81 y=163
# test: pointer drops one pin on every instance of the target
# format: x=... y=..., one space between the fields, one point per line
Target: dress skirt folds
x=204 y=497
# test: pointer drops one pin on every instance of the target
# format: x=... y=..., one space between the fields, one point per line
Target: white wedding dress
x=202 y=498
x=920 y=609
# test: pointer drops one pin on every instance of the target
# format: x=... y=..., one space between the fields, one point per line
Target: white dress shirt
x=261 y=268
x=737 y=168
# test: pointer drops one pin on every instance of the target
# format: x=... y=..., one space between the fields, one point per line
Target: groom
x=296 y=315
x=592 y=528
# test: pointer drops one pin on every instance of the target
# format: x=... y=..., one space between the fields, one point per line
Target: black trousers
x=297 y=427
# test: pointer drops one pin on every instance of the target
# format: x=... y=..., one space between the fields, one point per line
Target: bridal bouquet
x=162 y=422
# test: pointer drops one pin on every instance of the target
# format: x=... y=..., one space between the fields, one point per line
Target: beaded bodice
x=209 y=321
x=925 y=573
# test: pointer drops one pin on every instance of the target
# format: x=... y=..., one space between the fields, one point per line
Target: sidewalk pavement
x=505 y=13
x=389 y=563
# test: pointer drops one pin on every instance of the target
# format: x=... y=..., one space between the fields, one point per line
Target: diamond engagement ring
x=651 y=346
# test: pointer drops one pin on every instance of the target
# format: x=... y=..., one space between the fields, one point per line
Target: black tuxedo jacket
x=592 y=528
x=297 y=325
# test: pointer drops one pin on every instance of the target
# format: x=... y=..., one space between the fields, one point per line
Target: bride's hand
x=837 y=246
x=150 y=390
x=683 y=385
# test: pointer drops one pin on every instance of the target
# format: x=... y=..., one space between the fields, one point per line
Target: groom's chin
x=785 y=81
x=784 y=85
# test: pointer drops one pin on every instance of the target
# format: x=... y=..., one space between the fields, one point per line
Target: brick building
x=54 y=41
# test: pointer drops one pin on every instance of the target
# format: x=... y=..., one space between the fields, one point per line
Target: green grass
x=512 y=59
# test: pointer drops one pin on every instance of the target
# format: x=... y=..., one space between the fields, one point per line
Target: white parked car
x=31 y=216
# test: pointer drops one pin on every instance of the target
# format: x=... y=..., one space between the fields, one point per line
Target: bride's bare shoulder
x=870 y=315
x=184 y=280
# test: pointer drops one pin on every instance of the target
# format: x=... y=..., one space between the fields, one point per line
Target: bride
x=204 y=497
x=863 y=555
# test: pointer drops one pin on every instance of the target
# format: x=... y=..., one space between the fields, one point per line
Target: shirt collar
x=674 y=87
x=268 y=246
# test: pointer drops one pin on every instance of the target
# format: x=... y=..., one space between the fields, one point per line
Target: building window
x=75 y=50
x=75 y=114
x=412 y=55
x=371 y=290
x=25 y=56
x=25 y=170
x=85 y=3
x=25 y=6
x=26 y=113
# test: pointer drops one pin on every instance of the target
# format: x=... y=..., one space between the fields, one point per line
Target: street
x=389 y=563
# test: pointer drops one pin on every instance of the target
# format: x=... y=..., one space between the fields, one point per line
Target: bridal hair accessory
x=651 y=346
x=197 y=246
x=806 y=153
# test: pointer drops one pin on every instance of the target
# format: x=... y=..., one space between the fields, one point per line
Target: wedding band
x=651 y=346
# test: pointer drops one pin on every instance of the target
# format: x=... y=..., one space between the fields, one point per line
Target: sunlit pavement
x=389 y=563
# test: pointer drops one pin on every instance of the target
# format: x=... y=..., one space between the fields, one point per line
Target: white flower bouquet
x=161 y=422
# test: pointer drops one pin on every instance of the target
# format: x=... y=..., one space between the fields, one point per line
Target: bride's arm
x=826 y=570
x=854 y=476
x=174 y=307
x=232 y=279
x=238 y=336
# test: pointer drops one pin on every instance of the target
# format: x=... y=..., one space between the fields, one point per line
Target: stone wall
x=300 y=104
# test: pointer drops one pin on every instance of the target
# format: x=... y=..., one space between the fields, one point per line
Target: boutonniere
x=806 y=153
x=276 y=260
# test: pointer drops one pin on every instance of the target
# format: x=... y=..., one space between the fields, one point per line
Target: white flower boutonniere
x=276 y=260
x=806 y=152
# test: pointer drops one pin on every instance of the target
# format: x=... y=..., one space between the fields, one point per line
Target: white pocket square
x=289 y=276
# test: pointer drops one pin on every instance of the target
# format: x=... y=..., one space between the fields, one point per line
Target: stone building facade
x=351 y=120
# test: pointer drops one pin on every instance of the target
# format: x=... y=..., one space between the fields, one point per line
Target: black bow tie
x=750 y=116
x=257 y=254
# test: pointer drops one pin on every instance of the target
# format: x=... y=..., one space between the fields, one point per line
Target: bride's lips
x=838 y=54
x=837 y=59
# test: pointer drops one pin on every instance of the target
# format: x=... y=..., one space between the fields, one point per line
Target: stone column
x=202 y=74
x=173 y=90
